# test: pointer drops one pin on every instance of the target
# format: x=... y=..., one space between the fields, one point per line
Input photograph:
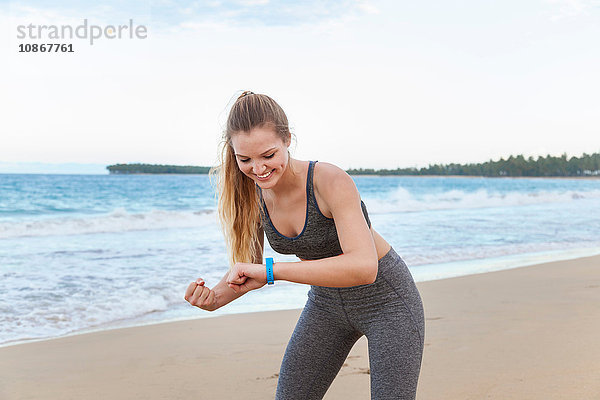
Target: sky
x=365 y=83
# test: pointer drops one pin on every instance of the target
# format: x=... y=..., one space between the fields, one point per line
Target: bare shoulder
x=326 y=174
x=332 y=183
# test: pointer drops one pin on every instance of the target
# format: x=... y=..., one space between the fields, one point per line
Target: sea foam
x=119 y=220
x=401 y=200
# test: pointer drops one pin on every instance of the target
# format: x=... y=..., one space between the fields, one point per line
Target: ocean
x=80 y=253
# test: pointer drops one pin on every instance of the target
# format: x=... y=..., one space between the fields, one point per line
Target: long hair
x=238 y=201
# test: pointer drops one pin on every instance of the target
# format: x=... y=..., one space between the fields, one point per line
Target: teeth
x=265 y=175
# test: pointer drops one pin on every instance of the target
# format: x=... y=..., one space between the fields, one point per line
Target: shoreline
x=527 y=332
x=491 y=265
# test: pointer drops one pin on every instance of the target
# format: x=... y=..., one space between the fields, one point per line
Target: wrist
x=216 y=302
x=278 y=273
x=269 y=270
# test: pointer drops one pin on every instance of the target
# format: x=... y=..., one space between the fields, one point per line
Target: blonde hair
x=238 y=201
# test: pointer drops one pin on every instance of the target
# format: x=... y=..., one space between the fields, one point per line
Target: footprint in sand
x=274 y=376
x=347 y=369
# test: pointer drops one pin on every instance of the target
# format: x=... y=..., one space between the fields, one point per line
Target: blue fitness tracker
x=270 y=278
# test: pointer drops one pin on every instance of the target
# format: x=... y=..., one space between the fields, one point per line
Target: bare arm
x=357 y=264
x=221 y=294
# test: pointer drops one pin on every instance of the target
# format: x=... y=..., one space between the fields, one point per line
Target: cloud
x=567 y=9
x=169 y=13
x=253 y=2
x=219 y=16
x=367 y=7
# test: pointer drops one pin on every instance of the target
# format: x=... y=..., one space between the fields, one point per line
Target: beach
x=523 y=333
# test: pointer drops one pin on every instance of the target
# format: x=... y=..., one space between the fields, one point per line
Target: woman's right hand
x=200 y=296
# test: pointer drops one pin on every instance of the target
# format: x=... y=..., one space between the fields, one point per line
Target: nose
x=258 y=168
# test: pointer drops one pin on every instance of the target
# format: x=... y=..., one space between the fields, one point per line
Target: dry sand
x=525 y=333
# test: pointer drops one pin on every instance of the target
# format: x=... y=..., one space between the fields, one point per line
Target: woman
x=359 y=285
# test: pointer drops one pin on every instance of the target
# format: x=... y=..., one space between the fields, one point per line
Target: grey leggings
x=389 y=312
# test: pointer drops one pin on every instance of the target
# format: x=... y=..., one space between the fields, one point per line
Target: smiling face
x=261 y=155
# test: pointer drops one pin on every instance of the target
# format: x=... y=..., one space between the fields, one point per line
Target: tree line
x=156 y=169
x=586 y=165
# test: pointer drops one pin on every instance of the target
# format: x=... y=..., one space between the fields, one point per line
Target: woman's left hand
x=244 y=277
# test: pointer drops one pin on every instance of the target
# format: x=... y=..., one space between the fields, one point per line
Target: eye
x=245 y=160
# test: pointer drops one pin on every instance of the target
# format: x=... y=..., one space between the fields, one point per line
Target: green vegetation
x=586 y=165
x=156 y=169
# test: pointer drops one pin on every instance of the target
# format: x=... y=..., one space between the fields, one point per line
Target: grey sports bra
x=318 y=238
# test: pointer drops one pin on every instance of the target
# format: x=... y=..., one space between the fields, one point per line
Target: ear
x=288 y=139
